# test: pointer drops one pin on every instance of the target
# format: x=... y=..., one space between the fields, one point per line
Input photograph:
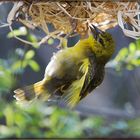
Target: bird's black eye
x=100 y=40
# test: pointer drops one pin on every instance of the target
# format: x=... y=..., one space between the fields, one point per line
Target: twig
x=63 y=9
x=22 y=40
x=106 y=112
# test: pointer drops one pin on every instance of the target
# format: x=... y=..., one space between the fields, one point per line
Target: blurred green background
x=112 y=111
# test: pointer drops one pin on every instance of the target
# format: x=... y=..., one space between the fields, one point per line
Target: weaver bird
x=73 y=72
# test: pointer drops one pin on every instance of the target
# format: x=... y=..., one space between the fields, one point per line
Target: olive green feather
x=72 y=94
x=73 y=72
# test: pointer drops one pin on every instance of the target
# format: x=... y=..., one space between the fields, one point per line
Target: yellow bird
x=73 y=72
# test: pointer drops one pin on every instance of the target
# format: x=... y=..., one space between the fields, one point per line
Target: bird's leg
x=64 y=42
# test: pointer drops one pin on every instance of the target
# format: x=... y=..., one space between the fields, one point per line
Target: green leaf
x=50 y=41
x=138 y=44
x=132 y=47
x=6 y=131
x=122 y=54
x=24 y=63
x=130 y=67
x=9 y=114
x=19 y=65
x=30 y=54
x=137 y=54
x=16 y=65
x=34 y=65
x=22 y=31
x=135 y=62
x=32 y=38
x=6 y=80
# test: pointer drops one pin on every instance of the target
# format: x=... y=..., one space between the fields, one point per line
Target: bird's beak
x=95 y=31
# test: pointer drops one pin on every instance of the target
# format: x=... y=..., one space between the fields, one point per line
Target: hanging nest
x=74 y=17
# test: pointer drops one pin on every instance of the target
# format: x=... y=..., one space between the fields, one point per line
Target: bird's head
x=104 y=42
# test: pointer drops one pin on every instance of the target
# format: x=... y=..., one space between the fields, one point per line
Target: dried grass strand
x=68 y=17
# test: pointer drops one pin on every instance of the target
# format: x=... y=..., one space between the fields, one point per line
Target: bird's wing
x=89 y=77
x=73 y=94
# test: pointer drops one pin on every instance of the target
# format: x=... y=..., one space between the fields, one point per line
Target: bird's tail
x=31 y=92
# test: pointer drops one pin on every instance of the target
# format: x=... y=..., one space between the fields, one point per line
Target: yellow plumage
x=73 y=72
x=72 y=94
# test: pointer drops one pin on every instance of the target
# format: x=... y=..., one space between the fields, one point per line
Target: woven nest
x=68 y=16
